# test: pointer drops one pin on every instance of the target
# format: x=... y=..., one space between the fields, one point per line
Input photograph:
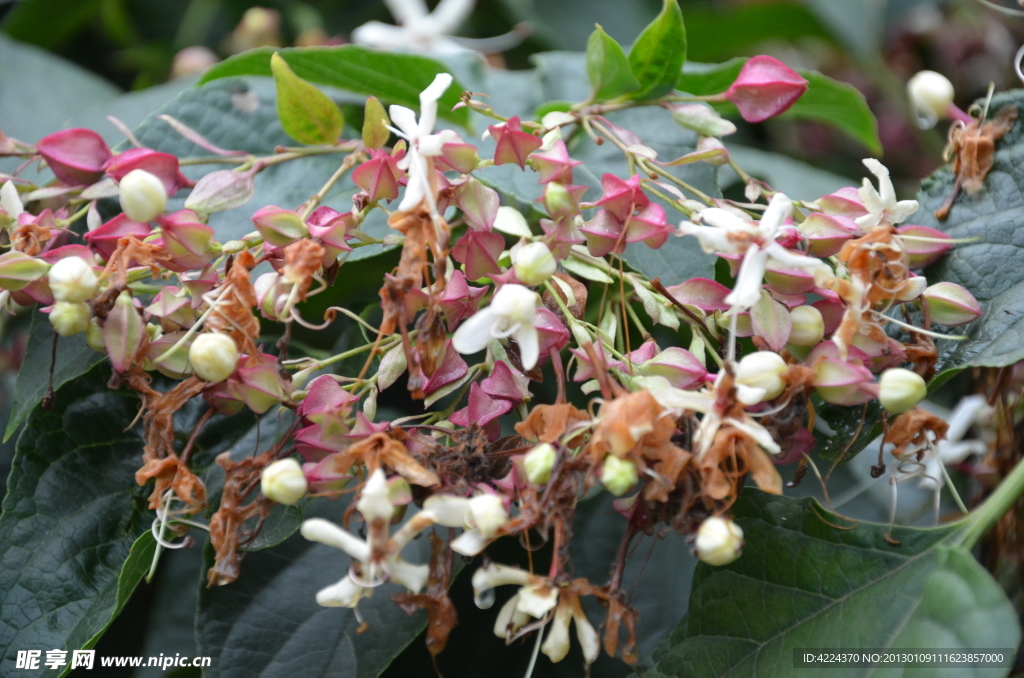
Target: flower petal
x=326 y=532
x=474 y=333
x=529 y=345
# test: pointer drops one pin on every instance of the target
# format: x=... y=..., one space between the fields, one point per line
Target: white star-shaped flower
x=511 y=313
x=881 y=205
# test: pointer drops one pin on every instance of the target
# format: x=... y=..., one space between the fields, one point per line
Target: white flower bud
x=284 y=482
x=618 y=475
x=930 y=94
x=533 y=263
x=538 y=463
x=900 y=390
x=763 y=370
x=70 y=317
x=516 y=303
x=808 y=326
x=213 y=356
x=487 y=514
x=143 y=195
x=719 y=541
x=373 y=500
x=72 y=279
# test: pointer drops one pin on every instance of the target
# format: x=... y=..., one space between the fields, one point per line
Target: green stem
x=995 y=507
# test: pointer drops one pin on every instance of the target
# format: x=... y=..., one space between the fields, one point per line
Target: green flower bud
x=618 y=475
x=763 y=370
x=808 y=326
x=538 y=463
x=533 y=263
x=900 y=390
x=70 y=317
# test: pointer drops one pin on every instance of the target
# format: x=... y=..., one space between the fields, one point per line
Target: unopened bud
x=538 y=463
x=143 y=195
x=72 y=279
x=900 y=390
x=534 y=263
x=808 y=326
x=764 y=88
x=950 y=304
x=213 y=356
x=763 y=370
x=618 y=475
x=487 y=514
x=70 y=317
x=931 y=95
x=719 y=541
x=284 y=482
x=94 y=336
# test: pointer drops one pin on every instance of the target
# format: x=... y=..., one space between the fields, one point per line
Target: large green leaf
x=853 y=429
x=608 y=67
x=307 y=114
x=990 y=267
x=74 y=358
x=394 y=78
x=807 y=578
x=659 y=53
x=796 y=179
x=267 y=623
x=69 y=521
x=237 y=116
x=826 y=100
x=749 y=25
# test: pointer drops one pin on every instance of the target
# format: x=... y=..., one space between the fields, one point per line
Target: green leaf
x=237 y=116
x=74 y=358
x=990 y=267
x=721 y=31
x=608 y=68
x=49 y=23
x=69 y=521
x=307 y=114
x=267 y=623
x=396 y=78
x=658 y=54
x=375 y=122
x=809 y=578
x=826 y=100
x=796 y=179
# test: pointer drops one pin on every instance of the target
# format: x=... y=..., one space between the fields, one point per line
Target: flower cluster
x=481 y=307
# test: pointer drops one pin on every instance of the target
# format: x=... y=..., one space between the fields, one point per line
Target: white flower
x=511 y=313
x=70 y=317
x=418 y=30
x=422 y=143
x=881 y=205
x=763 y=370
x=900 y=390
x=954 y=449
x=556 y=645
x=729 y=233
x=10 y=201
x=376 y=559
x=481 y=517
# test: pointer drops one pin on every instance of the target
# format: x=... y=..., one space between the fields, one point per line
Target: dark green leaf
x=49 y=23
x=721 y=31
x=235 y=116
x=826 y=100
x=307 y=114
x=74 y=358
x=268 y=624
x=854 y=428
x=396 y=78
x=796 y=179
x=809 y=578
x=69 y=522
x=608 y=67
x=658 y=54
x=991 y=267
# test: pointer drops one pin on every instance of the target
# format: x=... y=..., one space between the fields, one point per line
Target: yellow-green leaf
x=375 y=122
x=608 y=67
x=659 y=53
x=307 y=114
